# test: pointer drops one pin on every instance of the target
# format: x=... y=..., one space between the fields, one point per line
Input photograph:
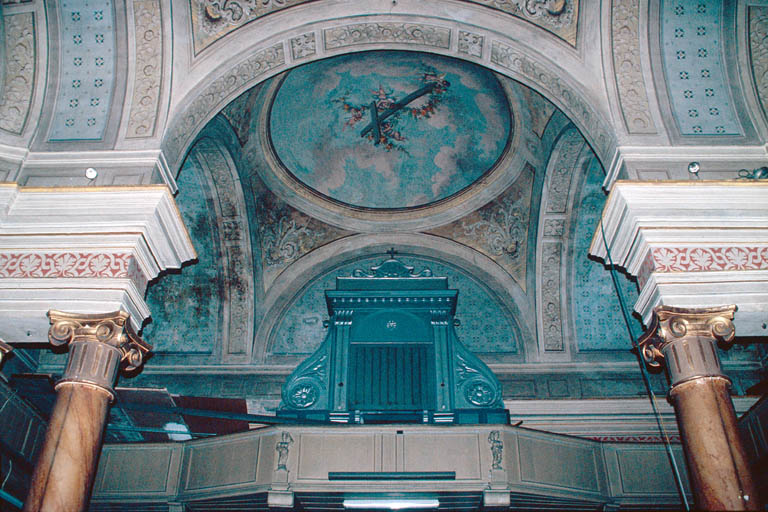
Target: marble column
x=683 y=341
x=99 y=345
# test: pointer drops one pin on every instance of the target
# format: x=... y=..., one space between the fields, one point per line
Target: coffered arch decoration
x=208 y=309
x=267 y=54
x=295 y=306
x=214 y=19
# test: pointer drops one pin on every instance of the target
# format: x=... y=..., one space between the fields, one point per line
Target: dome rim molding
x=295 y=278
x=502 y=174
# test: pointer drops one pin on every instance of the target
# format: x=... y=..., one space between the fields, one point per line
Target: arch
x=290 y=283
x=421 y=26
x=231 y=242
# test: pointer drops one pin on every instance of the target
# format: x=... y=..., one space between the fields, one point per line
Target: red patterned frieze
x=71 y=264
x=673 y=438
x=707 y=259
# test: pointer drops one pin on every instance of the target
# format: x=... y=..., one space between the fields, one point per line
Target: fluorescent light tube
x=391 y=504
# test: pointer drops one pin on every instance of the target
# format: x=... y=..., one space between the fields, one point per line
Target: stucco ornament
x=503 y=230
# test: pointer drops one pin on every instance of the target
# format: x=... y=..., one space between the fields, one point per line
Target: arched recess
x=259 y=51
x=222 y=278
x=499 y=285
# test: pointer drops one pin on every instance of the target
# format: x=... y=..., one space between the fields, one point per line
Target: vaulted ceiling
x=285 y=128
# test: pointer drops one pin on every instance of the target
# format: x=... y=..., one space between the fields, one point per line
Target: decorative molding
x=303 y=46
x=286 y=234
x=560 y=17
x=213 y=19
x=87 y=232
x=625 y=25
x=507 y=57
x=212 y=96
x=72 y=264
x=708 y=266
x=553 y=227
x=374 y=33
x=706 y=259
x=148 y=50
x=499 y=229
x=19 y=71
x=551 y=317
x=471 y=44
x=650 y=439
x=562 y=173
x=235 y=244
x=758 y=52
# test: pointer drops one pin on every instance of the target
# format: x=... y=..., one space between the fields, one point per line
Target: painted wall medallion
x=389 y=129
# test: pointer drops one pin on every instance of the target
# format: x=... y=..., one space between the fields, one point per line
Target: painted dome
x=389 y=129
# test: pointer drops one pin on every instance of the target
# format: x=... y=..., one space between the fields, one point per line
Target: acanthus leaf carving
x=149 y=68
x=507 y=57
x=371 y=33
x=19 y=71
x=625 y=24
x=758 y=51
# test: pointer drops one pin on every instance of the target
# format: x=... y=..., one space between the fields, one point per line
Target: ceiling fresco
x=389 y=129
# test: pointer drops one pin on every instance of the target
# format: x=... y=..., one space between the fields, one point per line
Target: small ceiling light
x=91 y=173
x=694 y=167
x=391 y=504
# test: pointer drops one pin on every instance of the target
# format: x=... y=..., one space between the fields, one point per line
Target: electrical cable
x=643 y=371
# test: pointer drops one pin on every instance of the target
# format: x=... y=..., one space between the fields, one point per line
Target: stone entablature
x=83 y=250
x=692 y=244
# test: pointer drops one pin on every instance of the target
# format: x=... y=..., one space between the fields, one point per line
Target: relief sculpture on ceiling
x=286 y=234
x=499 y=229
x=213 y=19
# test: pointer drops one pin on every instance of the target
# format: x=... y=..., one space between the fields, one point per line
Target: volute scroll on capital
x=113 y=329
x=671 y=323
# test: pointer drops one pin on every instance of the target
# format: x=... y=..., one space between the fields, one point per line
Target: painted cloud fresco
x=389 y=129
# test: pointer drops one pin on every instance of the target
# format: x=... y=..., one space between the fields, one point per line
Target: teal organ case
x=391 y=355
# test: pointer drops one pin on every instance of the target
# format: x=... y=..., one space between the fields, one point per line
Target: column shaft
x=683 y=340
x=717 y=463
x=67 y=463
x=99 y=345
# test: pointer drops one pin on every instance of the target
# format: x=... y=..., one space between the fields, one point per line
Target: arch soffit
x=301 y=273
x=289 y=46
x=219 y=166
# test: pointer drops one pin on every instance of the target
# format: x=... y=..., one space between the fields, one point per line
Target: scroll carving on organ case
x=112 y=329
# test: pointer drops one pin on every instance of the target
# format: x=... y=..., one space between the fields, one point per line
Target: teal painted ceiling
x=345 y=127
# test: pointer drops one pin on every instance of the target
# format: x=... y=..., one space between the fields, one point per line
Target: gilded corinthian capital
x=99 y=345
x=684 y=339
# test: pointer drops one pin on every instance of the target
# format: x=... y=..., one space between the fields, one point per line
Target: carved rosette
x=683 y=340
x=99 y=345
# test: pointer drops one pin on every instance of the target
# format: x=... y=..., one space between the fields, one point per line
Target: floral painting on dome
x=389 y=129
